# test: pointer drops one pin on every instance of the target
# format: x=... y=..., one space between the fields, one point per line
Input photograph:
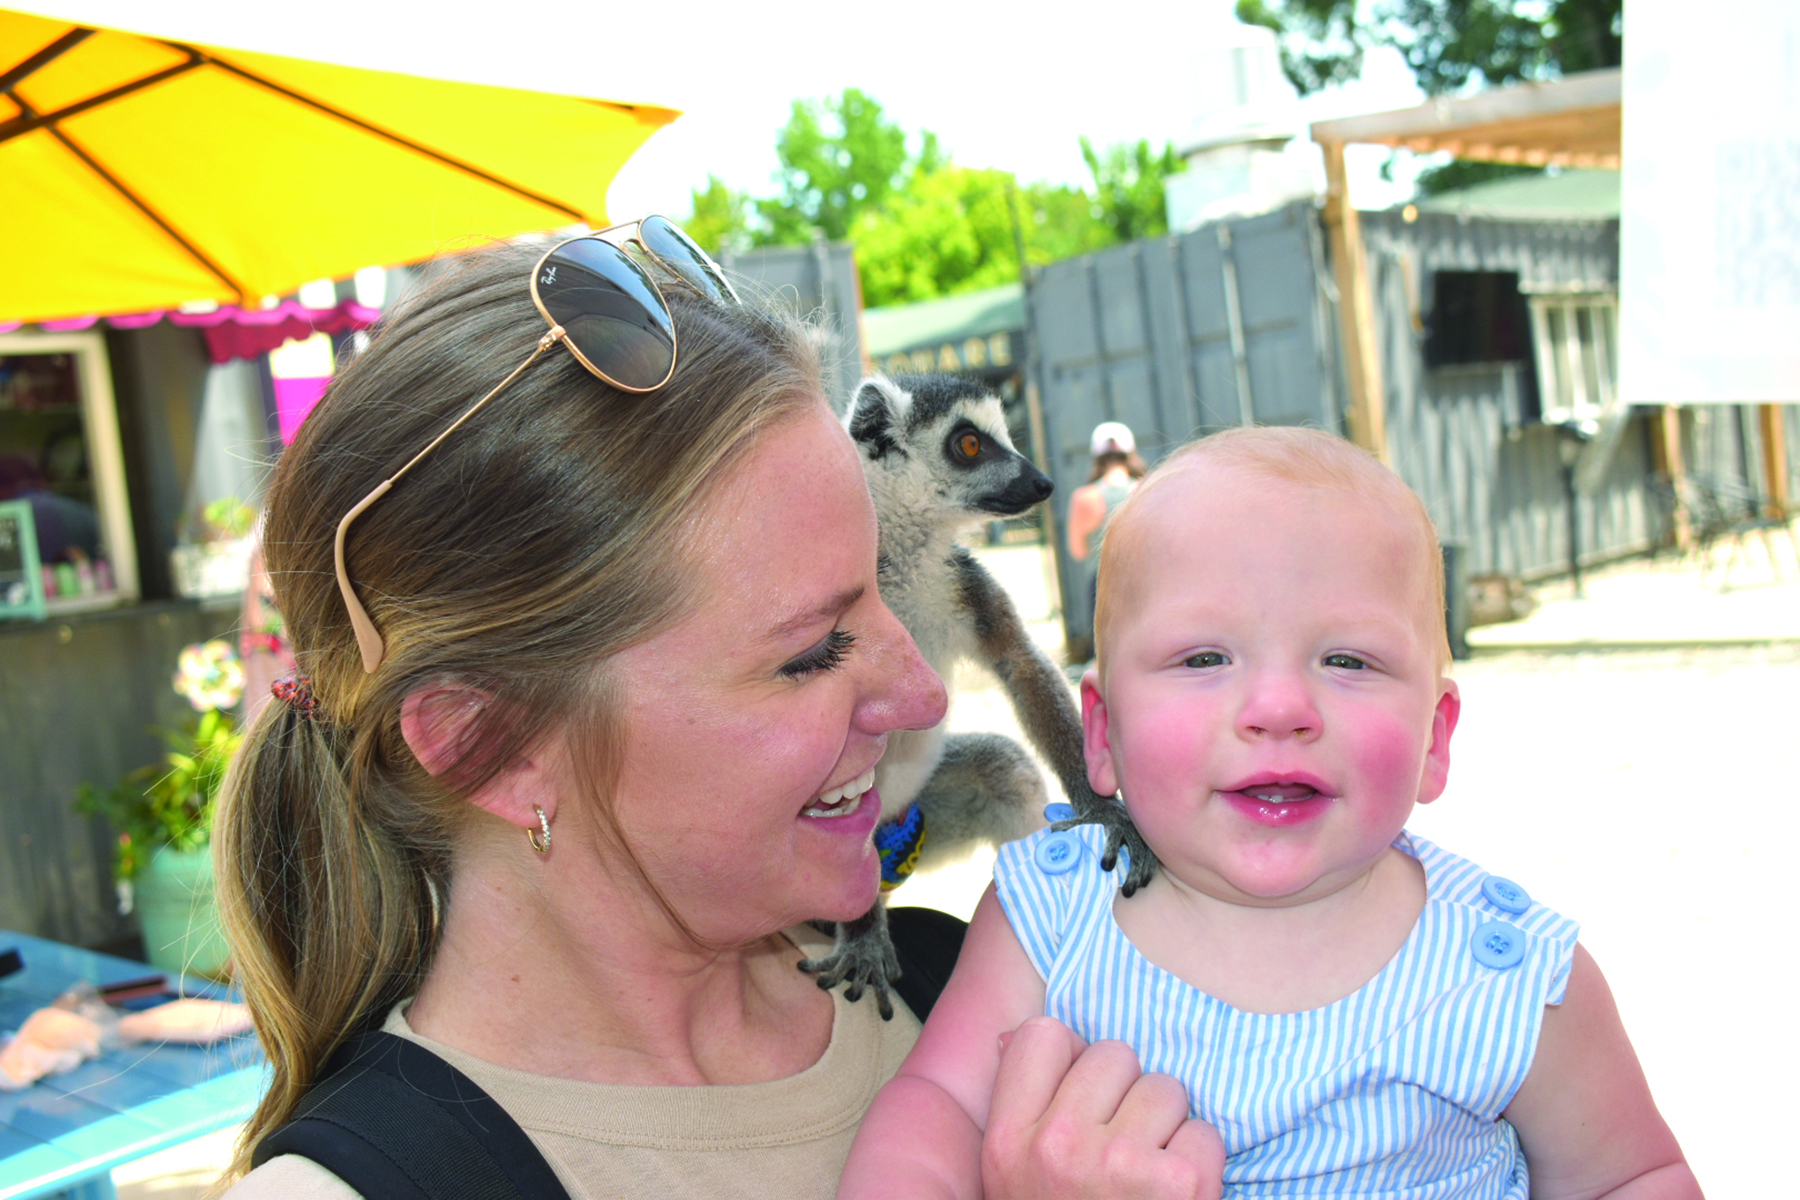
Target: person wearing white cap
x=1116 y=470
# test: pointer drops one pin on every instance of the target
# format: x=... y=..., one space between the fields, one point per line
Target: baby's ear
x=1437 y=757
x=1096 y=744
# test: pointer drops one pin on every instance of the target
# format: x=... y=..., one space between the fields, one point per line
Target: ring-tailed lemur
x=938 y=460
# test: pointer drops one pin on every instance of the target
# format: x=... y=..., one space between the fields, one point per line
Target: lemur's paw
x=1140 y=866
x=864 y=960
x=1121 y=834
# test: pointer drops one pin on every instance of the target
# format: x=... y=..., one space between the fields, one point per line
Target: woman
x=590 y=690
x=1115 y=471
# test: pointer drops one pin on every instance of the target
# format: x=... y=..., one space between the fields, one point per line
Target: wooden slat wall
x=1465 y=436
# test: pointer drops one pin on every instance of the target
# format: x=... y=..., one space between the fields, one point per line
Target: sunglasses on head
x=602 y=303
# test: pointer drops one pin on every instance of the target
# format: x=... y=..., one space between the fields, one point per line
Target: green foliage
x=958 y=229
x=949 y=231
x=167 y=803
x=1321 y=40
x=839 y=158
x=1061 y=222
x=925 y=227
x=1447 y=43
x=228 y=517
x=1128 y=185
x=720 y=216
x=1460 y=173
x=1585 y=35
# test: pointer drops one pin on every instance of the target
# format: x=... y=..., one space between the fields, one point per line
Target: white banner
x=1709 y=238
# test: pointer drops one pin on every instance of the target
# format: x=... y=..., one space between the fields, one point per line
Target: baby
x=1357 y=1011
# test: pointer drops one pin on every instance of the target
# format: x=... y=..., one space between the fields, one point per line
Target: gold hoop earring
x=540 y=844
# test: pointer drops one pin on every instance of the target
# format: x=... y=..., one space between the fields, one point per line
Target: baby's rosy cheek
x=1390 y=752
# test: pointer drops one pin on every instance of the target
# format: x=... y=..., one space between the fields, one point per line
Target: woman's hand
x=1072 y=1120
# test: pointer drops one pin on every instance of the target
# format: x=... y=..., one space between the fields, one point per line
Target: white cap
x=1112 y=435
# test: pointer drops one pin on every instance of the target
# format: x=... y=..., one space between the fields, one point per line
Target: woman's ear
x=437 y=723
x=440 y=722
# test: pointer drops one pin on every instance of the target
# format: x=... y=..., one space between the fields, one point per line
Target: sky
x=1005 y=86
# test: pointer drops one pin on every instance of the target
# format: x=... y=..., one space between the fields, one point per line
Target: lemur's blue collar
x=899 y=842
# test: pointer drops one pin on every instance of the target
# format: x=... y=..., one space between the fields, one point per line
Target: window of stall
x=1577 y=336
x=60 y=454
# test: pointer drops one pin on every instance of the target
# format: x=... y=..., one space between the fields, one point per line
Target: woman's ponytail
x=329 y=918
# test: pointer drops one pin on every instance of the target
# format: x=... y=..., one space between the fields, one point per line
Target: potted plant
x=214 y=559
x=163 y=813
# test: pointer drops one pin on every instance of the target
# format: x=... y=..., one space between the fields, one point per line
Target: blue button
x=1505 y=895
x=1057 y=853
x=1498 y=945
x=1058 y=812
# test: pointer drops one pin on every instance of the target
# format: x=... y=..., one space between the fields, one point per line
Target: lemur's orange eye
x=969 y=445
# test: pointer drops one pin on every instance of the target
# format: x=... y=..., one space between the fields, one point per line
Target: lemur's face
x=978 y=469
x=752 y=725
x=942 y=448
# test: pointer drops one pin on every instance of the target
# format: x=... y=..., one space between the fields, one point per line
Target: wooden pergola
x=1575 y=122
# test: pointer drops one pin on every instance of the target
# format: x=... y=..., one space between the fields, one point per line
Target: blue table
x=64 y=1135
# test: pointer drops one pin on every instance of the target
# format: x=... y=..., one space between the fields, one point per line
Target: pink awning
x=233 y=332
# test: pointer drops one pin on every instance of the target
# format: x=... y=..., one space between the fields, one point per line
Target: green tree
x=1447 y=43
x=1128 y=187
x=925 y=227
x=1460 y=173
x=1321 y=40
x=1060 y=222
x=947 y=231
x=720 y=217
x=839 y=157
x=958 y=229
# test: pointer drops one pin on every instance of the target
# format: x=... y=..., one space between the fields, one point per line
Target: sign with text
x=973 y=355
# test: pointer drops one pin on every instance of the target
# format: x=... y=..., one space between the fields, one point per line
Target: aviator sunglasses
x=604 y=306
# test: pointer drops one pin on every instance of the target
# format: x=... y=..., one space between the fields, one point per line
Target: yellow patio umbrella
x=138 y=173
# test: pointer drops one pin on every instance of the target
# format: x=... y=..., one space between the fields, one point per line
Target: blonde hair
x=533 y=544
x=1289 y=453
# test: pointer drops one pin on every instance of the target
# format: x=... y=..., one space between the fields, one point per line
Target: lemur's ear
x=874 y=413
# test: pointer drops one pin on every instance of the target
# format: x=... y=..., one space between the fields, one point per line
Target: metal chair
x=1723 y=509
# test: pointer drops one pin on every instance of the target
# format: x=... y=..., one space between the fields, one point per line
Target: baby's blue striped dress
x=1394 y=1091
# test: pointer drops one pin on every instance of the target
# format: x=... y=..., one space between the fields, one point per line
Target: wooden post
x=1774 y=454
x=1356 y=308
x=1674 y=465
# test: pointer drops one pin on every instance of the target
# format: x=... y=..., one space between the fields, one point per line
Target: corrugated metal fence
x=1179 y=336
x=817 y=281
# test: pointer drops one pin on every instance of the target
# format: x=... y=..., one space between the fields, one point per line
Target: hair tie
x=296 y=692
